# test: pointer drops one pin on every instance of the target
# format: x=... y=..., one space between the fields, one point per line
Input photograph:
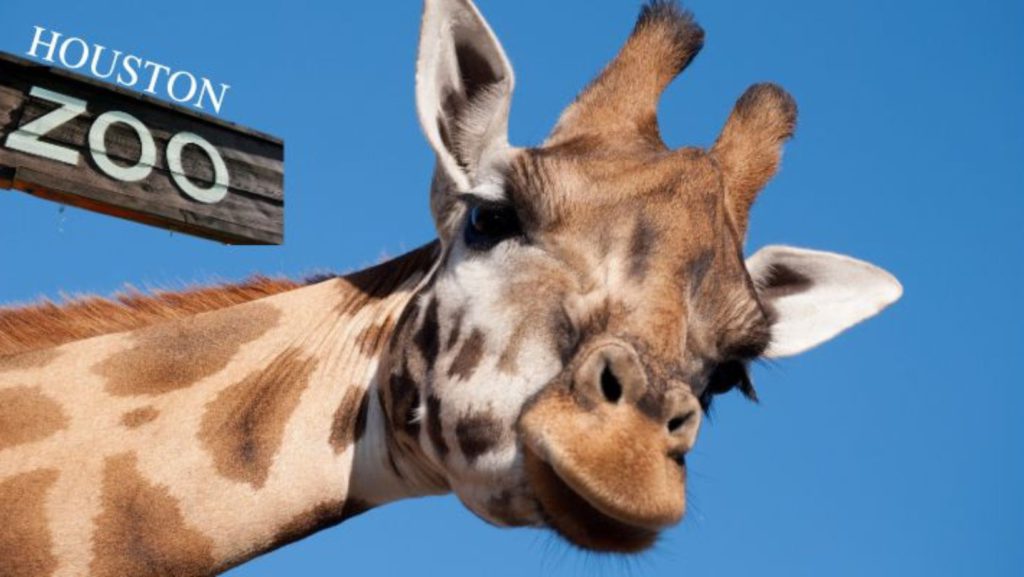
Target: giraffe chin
x=575 y=519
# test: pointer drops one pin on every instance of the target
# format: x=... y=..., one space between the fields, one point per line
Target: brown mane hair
x=46 y=324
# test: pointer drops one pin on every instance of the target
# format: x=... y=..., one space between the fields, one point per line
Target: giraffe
x=548 y=358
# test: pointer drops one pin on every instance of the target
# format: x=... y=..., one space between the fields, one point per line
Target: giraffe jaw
x=575 y=518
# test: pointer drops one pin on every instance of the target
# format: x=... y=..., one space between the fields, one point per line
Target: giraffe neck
x=191 y=446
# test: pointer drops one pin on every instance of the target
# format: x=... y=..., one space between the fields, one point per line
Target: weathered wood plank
x=252 y=212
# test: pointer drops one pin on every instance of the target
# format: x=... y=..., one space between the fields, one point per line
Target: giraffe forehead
x=564 y=191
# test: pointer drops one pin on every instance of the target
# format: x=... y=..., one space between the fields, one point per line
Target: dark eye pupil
x=727 y=376
x=489 y=225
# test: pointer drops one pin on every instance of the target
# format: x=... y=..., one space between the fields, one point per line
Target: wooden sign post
x=74 y=140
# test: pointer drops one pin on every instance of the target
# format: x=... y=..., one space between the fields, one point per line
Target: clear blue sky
x=896 y=450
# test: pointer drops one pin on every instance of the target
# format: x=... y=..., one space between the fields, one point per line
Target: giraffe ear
x=463 y=89
x=812 y=296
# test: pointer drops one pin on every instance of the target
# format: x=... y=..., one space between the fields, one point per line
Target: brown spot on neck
x=27 y=415
x=138 y=417
x=25 y=541
x=141 y=531
x=177 y=354
x=349 y=419
x=28 y=360
x=243 y=427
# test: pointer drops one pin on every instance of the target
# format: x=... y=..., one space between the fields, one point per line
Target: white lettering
x=37 y=42
x=64 y=53
x=219 y=189
x=157 y=68
x=26 y=138
x=96 y=59
x=98 y=144
x=128 y=69
x=191 y=87
x=131 y=70
x=215 y=100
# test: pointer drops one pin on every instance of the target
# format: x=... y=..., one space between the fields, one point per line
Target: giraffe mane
x=45 y=323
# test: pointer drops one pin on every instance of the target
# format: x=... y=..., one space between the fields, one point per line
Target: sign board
x=74 y=140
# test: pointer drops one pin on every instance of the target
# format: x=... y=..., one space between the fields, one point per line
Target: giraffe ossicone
x=548 y=358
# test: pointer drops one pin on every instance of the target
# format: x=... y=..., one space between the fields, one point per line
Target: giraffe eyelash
x=726 y=376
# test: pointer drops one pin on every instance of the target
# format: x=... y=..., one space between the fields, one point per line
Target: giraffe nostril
x=676 y=423
x=610 y=385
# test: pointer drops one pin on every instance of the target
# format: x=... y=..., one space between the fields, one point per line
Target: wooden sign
x=74 y=140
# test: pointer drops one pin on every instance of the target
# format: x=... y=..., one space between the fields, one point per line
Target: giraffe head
x=591 y=296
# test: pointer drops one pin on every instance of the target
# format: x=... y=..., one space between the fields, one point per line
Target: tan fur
x=248 y=423
x=620 y=107
x=48 y=324
x=749 y=148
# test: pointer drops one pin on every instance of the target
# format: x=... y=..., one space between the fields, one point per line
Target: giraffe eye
x=490 y=224
x=727 y=376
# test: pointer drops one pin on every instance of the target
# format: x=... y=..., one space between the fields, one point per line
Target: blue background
x=895 y=450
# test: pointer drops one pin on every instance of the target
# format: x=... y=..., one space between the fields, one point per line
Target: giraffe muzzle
x=603 y=453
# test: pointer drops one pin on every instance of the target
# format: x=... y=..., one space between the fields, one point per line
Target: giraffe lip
x=574 y=518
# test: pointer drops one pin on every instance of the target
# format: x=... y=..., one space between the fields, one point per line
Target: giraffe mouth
x=574 y=518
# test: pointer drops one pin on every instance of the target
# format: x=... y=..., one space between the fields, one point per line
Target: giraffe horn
x=620 y=106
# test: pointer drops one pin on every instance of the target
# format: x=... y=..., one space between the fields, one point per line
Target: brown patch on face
x=405 y=398
x=25 y=541
x=434 y=429
x=141 y=531
x=697 y=270
x=477 y=434
x=177 y=354
x=27 y=415
x=456 y=332
x=349 y=419
x=243 y=427
x=138 y=417
x=507 y=360
x=427 y=336
x=374 y=337
x=29 y=360
x=642 y=242
x=468 y=357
